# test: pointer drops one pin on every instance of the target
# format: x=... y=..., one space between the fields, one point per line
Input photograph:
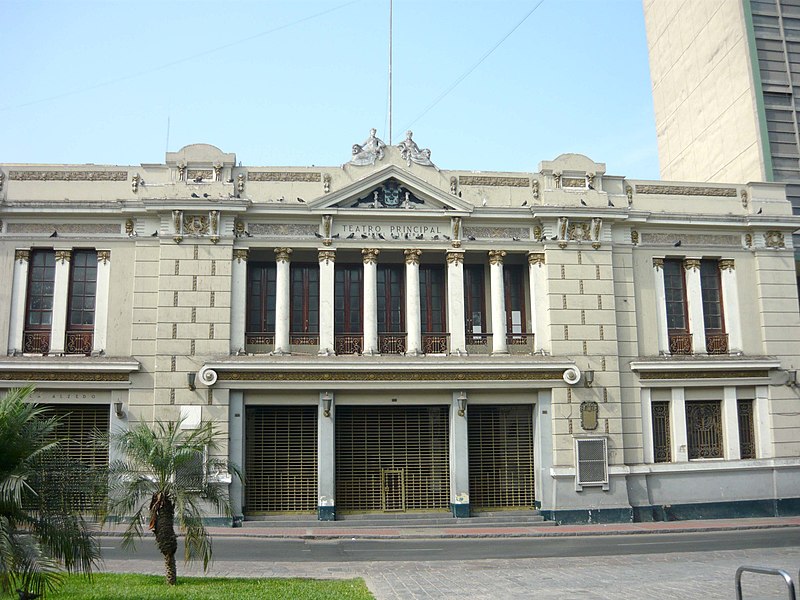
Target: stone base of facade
x=590 y=516
x=326 y=513
x=460 y=511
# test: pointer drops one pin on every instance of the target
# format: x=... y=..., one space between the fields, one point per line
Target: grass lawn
x=109 y=586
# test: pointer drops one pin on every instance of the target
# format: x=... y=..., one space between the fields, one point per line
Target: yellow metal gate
x=501 y=456
x=280 y=459
x=392 y=458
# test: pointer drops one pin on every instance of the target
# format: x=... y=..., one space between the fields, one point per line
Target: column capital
x=454 y=257
x=658 y=263
x=370 y=255
x=496 y=257
x=536 y=258
x=726 y=264
x=327 y=256
x=241 y=254
x=412 y=256
x=691 y=264
x=103 y=256
x=22 y=254
x=283 y=254
x=63 y=256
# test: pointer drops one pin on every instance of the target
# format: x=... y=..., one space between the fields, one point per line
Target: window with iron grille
x=704 y=429
x=261 y=278
x=591 y=456
x=39 y=307
x=662 y=438
x=747 y=435
x=305 y=300
x=475 y=302
x=191 y=471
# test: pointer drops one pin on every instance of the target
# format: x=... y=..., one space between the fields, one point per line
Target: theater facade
x=389 y=336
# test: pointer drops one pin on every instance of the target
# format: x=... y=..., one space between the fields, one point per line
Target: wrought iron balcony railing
x=717 y=343
x=36 y=342
x=392 y=343
x=349 y=343
x=79 y=342
x=680 y=343
x=434 y=343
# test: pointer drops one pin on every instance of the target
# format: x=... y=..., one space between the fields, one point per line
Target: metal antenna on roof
x=390 y=71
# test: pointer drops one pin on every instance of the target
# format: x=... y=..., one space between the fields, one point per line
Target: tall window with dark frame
x=82 y=297
x=662 y=437
x=475 y=304
x=432 y=309
x=347 y=312
x=261 y=279
x=747 y=433
x=39 y=307
x=713 y=316
x=391 y=309
x=680 y=340
x=704 y=429
x=304 y=304
x=516 y=321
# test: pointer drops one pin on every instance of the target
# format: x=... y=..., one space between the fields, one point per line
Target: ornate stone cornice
x=407 y=375
x=283 y=255
x=327 y=256
x=103 y=256
x=496 y=257
x=412 y=256
x=536 y=258
x=58 y=376
x=241 y=254
x=658 y=263
x=454 y=258
x=63 y=256
x=726 y=264
x=691 y=264
x=693 y=374
x=370 y=255
x=22 y=255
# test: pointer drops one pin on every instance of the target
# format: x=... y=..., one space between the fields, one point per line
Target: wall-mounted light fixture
x=327 y=400
x=462 y=403
x=118 y=410
x=190 y=378
x=588 y=378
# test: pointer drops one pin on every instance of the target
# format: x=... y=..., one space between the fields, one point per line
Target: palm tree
x=42 y=532
x=163 y=476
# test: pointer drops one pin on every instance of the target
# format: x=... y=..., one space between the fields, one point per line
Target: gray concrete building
x=388 y=336
x=726 y=90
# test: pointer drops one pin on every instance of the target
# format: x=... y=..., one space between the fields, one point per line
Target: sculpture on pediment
x=368 y=152
x=410 y=152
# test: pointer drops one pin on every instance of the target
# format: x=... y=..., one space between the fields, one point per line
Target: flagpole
x=390 y=71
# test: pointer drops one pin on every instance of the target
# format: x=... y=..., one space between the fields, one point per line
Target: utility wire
x=469 y=71
x=178 y=61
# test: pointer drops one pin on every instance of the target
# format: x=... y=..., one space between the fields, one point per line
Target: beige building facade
x=387 y=336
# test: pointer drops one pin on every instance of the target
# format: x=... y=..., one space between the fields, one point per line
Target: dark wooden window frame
x=261 y=304
x=388 y=302
x=304 y=299
x=514 y=289
x=351 y=273
x=475 y=281
x=432 y=285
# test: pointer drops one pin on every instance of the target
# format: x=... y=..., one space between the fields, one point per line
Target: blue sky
x=297 y=83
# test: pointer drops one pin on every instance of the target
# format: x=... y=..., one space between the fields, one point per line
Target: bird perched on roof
x=760 y=210
x=194 y=195
x=447 y=237
x=420 y=236
x=525 y=203
x=583 y=202
x=281 y=199
x=395 y=236
x=351 y=236
x=317 y=235
x=380 y=235
x=515 y=238
x=610 y=203
x=206 y=195
x=300 y=200
x=364 y=236
x=335 y=236
x=154 y=234
x=485 y=202
x=678 y=243
x=436 y=237
x=54 y=234
x=471 y=238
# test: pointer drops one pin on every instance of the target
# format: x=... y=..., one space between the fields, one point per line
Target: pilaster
x=370 y=258
x=282 y=258
x=238 y=299
x=499 y=343
x=413 y=320
x=60 y=301
x=326 y=460
x=730 y=304
x=694 y=297
x=661 y=306
x=459 y=460
x=327 y=260
x=19 y=285
x=100 y=338
x=456 y=318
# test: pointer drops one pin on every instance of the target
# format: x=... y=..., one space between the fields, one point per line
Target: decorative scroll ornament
x=283 y=255
x=370 y=151
x=410 y=152
x=327 y=256
x=536 y=258
x=63 y=256
x=103 y=256
x=370 y=255
x=589 y=411
x=726 y=264
x=572 y=375
x=691 y=264
x=412 y=256
x=135 y=183
x=241 y=254
x=208 y=376
x=658 y=263
x=326 y=183
x=748 y=240
x=22 y=255
x=496 y=257
x=454 y=258
x=774 y=239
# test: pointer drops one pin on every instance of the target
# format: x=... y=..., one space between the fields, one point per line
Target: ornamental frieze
x=774 y=239
x=698 y=239
x=494 y=181
x=312 y=177
x=282 y=229
x=63 y=228
x=198 y=175
x=706 y=374
x=677 y=190
x=506 y=233
x=573 y=182
x=391 y=376
x=67 y=376
x=68 y=175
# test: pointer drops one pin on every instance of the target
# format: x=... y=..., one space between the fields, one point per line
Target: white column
x=282 y=257
x=694 y=296
x=730 y=424
x=537 y=279
x=326 y=460
x=677 y=409
x=100 y=338
x=762 y=423
x=238 y=299
x=58 y=331
x=414 y=339
x=327 y=260
x=661 y=306
x=499 y=344
x=647 y=426
x=370 y=256
x=456 y=320
x=236 y=448
x=459 y=460
x=19 y=285
x=730 y=305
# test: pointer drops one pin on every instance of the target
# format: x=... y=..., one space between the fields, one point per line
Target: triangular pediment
x=390 y=188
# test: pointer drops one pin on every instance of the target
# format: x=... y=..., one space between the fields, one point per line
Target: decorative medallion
x=691 y=264
x=282 y=255
x=103 y=256
x=195 y=225
x=241 y=254
x=537 y=232
x=454 y=258
x=238 y=228
x=579 y=232
x=412 y=256
x=390 y=194
x=589 y=411
x=496 y=257
x=371 y=150
x=726 y=264
x=774 y=239
x=370 y=255
x=327 y=256
x=536 y=258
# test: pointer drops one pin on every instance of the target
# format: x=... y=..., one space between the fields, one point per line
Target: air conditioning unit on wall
x=591 y=463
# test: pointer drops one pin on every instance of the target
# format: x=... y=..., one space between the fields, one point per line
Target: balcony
x=79 y=342
x=349 y=343
x=478 y=343
x=36 y=342
x=519 y=343
x=303 y=343
x=259 y=342
x=717 y=343
x=391 y=343
x=434 y=343
x=680 y=343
